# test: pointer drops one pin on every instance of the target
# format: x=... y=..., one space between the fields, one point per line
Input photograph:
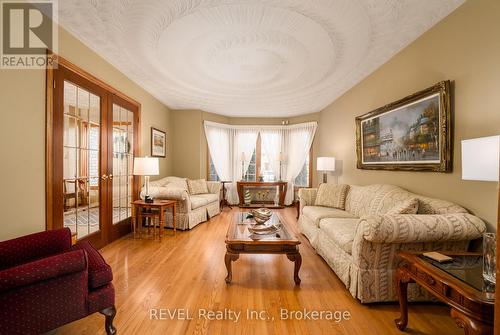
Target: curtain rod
x=240 y=126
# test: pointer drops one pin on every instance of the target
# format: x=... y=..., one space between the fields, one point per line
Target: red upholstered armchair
x=46 y=283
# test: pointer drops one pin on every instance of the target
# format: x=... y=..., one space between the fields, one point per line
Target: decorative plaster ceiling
x=249 y=57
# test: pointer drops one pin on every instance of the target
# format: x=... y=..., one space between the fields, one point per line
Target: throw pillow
x=408 y=206
x=198 y=186
x=330 y=195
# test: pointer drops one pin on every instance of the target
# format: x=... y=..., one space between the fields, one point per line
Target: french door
x=91 y=142
x=121 y=152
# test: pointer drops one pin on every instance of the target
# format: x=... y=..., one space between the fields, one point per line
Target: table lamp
x=481 y=161
x=146 y=166
x=325 y=164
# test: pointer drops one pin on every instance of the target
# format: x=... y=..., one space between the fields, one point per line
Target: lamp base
x=325 y=178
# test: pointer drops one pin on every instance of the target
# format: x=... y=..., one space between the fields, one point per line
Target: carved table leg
x=109 y=313
x=470 y=326
x=402 y=280
x=230 y=257
x=297 y=259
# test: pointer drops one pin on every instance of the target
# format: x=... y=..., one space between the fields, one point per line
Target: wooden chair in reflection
x=72 y=188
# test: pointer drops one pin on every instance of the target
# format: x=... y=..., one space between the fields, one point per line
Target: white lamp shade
x=481 y=158
x=146 y=166
x=325 y=164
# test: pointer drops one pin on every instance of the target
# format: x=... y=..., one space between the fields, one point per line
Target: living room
x=300 y=157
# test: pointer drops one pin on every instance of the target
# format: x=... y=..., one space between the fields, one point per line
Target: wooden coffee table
x=240 y=241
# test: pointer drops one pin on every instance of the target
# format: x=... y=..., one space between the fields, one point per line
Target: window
x=259 y=166
x=212 y=174
x=251 y=173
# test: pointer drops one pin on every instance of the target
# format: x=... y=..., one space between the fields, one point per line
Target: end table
x=157 y=210
x=459 y=284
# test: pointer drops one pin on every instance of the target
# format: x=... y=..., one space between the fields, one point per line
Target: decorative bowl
x=263 y=229
x=260 y=220
x=261 y=215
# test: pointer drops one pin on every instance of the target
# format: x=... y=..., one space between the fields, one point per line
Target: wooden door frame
x=53 y=91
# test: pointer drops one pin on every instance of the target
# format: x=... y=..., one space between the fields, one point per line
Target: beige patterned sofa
x=192 y=209
x=360 y=240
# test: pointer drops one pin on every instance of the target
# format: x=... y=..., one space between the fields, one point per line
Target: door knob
x=104 y=177
x=110 y=177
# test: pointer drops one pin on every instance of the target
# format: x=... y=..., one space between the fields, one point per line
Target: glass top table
x=467 y=268
x=239 y=240
x=458 y=283
x=243 y=221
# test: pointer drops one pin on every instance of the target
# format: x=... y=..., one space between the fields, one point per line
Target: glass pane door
x=81 y=150
x=123 y=156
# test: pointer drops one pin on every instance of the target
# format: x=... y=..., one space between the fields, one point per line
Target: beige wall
x=22 y=104
x=464 y=48
x=191 y=148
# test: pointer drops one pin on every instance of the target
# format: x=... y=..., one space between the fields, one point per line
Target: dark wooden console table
x=458 y=284
x=282 y=188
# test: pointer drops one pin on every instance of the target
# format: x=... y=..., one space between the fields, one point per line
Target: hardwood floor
x=187 y=272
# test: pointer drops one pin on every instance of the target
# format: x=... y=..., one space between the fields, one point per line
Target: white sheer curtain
x=272 y=145
x=244 y=143
x=219 y=145
x=298 y=141
x=227 y=143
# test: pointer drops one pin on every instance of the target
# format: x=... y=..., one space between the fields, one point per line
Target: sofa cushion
x=100 y=273
x=170 y=181
x=408 y=206
x=198 y=186
x=437 y=206
x=331 y=195
x=341 y=231
x=209 y=197
x=166 y=192
x=316 y=213
x=374 y=199
x=198 y=201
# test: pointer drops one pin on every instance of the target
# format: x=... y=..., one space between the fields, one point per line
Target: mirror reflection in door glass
x=81 y=160
x=123 y=148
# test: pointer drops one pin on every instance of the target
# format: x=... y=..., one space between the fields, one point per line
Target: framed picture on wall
x=158 y=143
x=412 y=134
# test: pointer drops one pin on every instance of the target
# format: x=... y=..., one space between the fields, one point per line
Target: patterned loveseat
x=360 y=238
x=192 y=209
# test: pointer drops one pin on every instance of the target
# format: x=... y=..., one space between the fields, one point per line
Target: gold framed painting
x=411 y=134
x=158 y=143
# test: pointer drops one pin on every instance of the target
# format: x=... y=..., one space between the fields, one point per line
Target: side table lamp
x=481 y=161
x=146 y=166
x=325 y=164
